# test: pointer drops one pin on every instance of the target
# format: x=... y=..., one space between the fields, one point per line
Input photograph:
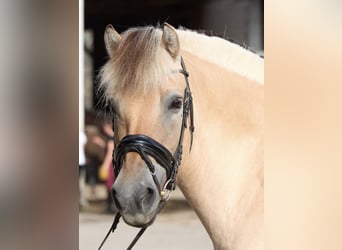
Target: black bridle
x=147 y=147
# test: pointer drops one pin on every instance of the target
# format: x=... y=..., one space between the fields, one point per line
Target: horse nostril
x=150 y=191
x=148 y=197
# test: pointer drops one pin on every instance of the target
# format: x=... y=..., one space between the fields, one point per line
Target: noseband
x=147 y=147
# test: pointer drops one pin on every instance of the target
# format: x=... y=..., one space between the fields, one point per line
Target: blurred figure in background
x=106 y=171
x=82 y=163
x=99 y=150
x=95 y=153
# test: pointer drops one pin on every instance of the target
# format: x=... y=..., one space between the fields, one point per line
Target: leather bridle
x=147 y=147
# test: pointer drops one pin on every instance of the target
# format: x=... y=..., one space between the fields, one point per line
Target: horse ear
x=112 y=39
x=170 y=40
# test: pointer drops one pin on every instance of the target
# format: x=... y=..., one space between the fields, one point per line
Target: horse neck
x=222 y=177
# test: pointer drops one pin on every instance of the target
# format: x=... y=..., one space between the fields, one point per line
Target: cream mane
x=140 y=62
x=223 y=53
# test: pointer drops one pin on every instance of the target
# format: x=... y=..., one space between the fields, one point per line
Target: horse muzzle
x=137 y=199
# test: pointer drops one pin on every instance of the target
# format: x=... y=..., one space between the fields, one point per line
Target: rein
x=147 y=147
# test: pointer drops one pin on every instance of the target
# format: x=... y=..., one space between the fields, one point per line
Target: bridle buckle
x=165 y=193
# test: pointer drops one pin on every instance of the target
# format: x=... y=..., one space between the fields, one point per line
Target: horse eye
x=175 y=104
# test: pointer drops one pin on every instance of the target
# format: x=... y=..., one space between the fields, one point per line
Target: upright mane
x=140 y=62
x=223 y=53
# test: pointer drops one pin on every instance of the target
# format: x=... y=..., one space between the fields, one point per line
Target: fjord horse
x=222 y=175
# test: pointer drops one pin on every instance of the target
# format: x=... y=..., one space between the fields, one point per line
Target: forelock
x=137 y=65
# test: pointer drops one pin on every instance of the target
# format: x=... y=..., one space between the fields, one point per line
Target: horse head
x=142 y=80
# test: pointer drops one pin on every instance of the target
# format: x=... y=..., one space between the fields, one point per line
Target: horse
x=149 y=75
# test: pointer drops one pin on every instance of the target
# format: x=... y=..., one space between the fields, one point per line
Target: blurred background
x=241 y=22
